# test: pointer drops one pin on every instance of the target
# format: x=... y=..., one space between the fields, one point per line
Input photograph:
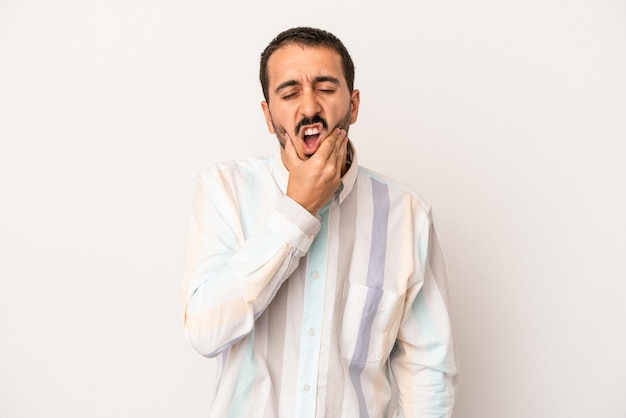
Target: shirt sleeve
x=229 y=277
x=423 y=361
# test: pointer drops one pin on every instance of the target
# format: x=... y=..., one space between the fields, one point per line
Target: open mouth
x=311 y=139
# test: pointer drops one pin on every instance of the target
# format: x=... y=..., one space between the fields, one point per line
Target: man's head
x=312 y=37
x=307 y=78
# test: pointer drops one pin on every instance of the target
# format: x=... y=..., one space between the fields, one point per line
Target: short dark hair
x=306 y=36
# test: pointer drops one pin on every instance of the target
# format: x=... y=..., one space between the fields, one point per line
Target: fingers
x=340 y=144
x=339 y=151
x=331 y=145
x=327 y=146
x=343 y=148
x=341 y=155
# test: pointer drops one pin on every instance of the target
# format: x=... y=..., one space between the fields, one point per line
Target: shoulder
x=235 y=170
x=235 y=178
x=238 y=166
x=395 y=189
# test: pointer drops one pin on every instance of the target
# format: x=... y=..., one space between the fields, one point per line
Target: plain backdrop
x=508 y=117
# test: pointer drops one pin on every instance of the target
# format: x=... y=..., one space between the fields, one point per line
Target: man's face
x=308 y=96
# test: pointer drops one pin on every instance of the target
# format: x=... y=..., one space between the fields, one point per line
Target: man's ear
x=355 y=100
x=268 y=116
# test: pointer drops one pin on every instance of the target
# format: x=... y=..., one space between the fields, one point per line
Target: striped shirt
x=343 y=314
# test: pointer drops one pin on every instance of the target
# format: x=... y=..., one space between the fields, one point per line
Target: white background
x=508 y=117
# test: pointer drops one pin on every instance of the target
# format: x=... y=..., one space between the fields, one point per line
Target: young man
x=318 y=284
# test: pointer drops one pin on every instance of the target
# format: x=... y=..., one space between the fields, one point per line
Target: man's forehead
x=295 y=61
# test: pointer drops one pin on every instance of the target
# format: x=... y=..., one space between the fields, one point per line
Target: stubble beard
x=281 y=132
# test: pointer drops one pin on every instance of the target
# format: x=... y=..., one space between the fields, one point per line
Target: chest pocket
x=370 y=322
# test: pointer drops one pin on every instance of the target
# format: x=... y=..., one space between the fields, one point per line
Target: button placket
x=313 y=313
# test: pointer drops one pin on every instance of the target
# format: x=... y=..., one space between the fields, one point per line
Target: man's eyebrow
x=327 y=78
x=320 y=79
x=286 y=84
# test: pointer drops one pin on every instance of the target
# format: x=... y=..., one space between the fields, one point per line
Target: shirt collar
x=281 y=174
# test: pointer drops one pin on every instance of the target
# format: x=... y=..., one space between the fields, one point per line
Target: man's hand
x=312 y=182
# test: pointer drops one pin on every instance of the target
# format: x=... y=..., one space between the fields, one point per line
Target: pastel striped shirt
x=343 y=314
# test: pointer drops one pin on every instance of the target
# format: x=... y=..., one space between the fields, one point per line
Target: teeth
x=311 y=131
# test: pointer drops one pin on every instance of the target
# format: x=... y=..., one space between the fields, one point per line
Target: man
x=318 y=284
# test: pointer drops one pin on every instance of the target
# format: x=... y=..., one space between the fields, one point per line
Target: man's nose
x=310 y=105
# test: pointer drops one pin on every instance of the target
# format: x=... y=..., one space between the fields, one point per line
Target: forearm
x=222 y=304
x=229 y=278
x=424 y=364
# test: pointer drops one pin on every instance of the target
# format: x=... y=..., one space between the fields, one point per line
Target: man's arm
x=229 y=279
x=423 y=363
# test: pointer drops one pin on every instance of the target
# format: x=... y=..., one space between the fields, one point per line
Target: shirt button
x=312 y=237
x=315 y=275
x=311 y=332
x=307 y=387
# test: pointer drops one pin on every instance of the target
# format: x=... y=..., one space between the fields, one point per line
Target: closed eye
x=289 y=96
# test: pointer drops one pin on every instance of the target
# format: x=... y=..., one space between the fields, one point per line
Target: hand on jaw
x=313 y=181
